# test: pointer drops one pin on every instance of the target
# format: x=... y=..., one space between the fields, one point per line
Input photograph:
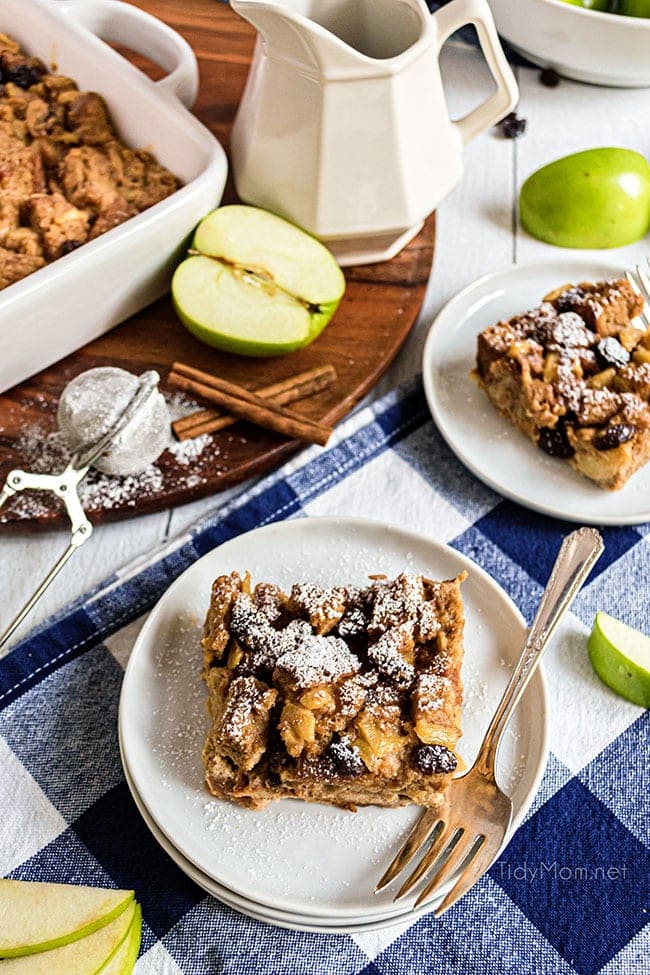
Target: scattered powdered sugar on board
x=186 y=451
x=182 y=467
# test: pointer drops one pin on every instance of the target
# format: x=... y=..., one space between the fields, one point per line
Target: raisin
x=610 y=352
x=353 y=624
x=68 y=246
x=346 y=758
x=23 y=75
x=554 y=441
x=568 y=299
x=614 y=436
x=430 y=759
x=549 y=78
x=512 y=126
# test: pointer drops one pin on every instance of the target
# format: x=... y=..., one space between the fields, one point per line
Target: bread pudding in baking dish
x=65 y=176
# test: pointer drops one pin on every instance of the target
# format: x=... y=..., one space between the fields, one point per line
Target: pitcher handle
x=456 y=15
x=122 y=23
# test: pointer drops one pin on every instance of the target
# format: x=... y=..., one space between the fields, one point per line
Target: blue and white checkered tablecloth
x=570 y=893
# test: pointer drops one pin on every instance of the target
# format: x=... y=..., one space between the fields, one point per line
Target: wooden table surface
x=477 y=232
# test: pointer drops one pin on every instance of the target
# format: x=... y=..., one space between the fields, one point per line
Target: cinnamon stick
x=244 y=405
x=293 y=388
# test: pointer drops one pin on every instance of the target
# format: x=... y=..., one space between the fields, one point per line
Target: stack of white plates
x=306 y=866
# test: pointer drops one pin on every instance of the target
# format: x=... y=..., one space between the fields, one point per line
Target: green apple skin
x=122 y=962
x=590 y=4
x=283 y=303
x=628 y=677
x=86 y=956
x=27 y=901
x=599 y=198
x=135 y=938
x=634 y=8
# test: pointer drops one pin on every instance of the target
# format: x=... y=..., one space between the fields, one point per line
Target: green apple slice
x=39 y=916
x=255 y=283
x=124 y=959
x=86 y=956
x=620 y=656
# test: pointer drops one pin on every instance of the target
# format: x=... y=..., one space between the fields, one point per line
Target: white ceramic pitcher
x=343 y=126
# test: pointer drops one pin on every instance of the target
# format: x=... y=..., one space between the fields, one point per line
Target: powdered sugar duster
x=94 y=400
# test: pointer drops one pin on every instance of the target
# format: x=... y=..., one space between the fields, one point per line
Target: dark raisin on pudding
x=346 y=758
x=23 y=75
x=610 y=352
x=68 y=246
x=614 y=436
x=554 y=441
x=430 y=759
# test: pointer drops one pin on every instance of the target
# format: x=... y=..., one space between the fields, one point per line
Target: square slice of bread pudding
x=573 y=374
x=346 y=695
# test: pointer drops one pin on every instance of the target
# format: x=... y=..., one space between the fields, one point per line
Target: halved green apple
x=39 y=916
x=87 y=956
x=256 y=284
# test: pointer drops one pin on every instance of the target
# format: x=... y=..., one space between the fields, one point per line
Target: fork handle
x=577 y=555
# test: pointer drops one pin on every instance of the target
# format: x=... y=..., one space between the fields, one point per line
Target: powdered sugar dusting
x=397 y=602
x=182 y=467
x=432 y=691
x=318 y=660
x=387 y=655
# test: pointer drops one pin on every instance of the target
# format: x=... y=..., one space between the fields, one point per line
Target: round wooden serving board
x=379 y=309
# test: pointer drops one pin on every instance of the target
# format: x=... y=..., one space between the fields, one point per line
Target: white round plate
x=488 y=444
x=281 y=919
x=302 y=858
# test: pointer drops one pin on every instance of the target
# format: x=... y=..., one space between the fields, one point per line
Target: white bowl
x=66 y=304
x=587 y=45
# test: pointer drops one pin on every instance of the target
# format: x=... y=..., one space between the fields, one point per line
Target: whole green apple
x=598 y=198
x=256 y=284
x=634 y=8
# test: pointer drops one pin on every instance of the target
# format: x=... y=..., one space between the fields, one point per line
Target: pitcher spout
x=336 y=36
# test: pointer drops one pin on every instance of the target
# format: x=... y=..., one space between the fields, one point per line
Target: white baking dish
x=63 y=306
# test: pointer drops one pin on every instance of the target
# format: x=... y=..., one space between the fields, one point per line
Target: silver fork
x=641 y=284
x=476 y=815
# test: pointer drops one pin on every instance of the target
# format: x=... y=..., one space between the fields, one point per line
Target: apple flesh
x=256 y=284
x=598 y=198
x=86 y=956
x=36 y=917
